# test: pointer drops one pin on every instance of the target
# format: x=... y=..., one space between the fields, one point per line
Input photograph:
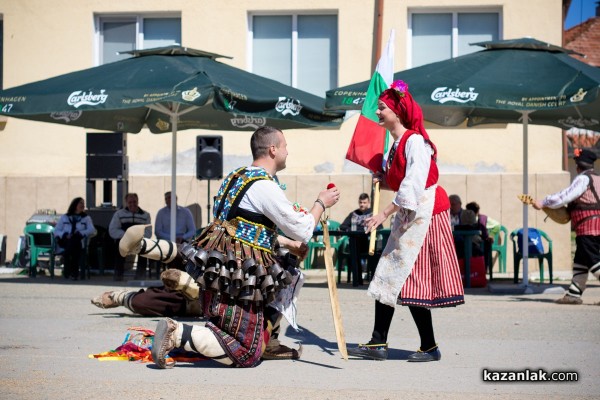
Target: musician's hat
x=585 y=157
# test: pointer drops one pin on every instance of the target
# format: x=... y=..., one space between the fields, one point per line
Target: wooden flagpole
x=373 y=237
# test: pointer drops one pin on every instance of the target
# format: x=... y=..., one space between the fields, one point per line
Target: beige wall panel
x=52 y=193
x=38 y=149
x=536 y=18
x=76 y=188
x=150 y=191
x=308 y=188
x=454 y=184
x=292 y=188
x=485 y=190
x=20 y=205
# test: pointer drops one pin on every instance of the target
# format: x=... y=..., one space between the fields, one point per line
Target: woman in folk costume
x=418 y=267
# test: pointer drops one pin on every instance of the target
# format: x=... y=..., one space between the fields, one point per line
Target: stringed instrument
x=558 y=215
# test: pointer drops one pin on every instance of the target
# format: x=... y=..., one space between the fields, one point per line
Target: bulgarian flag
x=369 y=139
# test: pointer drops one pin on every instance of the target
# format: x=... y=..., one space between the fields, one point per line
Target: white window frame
x=124 y=17
x=448 y=10
x=288 y=13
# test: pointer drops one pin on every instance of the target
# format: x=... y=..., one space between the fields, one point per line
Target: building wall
x=43 y=165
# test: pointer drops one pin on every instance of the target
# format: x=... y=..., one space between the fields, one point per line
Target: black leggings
x=421 y=316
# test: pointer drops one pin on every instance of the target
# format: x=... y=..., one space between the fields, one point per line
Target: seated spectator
x=124 y=218
x=468 y=222
x=483 y=221
x=355 y=221
x=185 y=228
x=455 y=209
x=71 y=232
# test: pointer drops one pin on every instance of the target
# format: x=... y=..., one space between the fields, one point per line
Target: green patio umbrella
x=497 y=85
x=523 y=81
x=167 y=89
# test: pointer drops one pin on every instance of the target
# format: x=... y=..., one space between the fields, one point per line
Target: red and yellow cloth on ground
x=137 y=346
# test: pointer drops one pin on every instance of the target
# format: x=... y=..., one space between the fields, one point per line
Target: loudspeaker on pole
x=209 y=157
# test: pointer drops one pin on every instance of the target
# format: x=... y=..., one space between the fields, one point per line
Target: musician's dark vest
x=589 y=200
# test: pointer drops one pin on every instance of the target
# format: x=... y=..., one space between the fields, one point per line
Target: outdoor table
x=353 y=248
x=467 y=237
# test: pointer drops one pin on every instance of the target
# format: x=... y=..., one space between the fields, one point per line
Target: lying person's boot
x=433 y=354
x=181 y=281
x=134 y=242
x=164 y=342
x=374 y=351
x=568 y=299
x=277 y=351
x=110 y=299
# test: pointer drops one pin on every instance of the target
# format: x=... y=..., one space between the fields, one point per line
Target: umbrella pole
x=525 y=245
x=173 y=177
x=207 y=202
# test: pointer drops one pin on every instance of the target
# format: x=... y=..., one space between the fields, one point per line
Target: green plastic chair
x=317 y=243
x=40 y=242
x=518 y=256
x=343 y=256
x=499 y=246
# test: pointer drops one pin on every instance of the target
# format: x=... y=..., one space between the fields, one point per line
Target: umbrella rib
x=187 y=110
x=161 y=108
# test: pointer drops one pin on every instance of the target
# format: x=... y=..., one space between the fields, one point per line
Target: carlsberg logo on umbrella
x=79 y=98
x=190 y=95
x=445 y=94
x=66 y=116
x=288 y=106
x=248 y=121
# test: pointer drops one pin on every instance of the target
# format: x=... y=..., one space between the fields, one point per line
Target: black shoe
x=424 y=356
x=374 y=351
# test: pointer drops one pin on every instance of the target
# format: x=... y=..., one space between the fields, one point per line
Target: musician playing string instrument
x=583 y=203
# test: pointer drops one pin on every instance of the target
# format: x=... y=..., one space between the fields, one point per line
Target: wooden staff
x=333 y=296
x=373 y=237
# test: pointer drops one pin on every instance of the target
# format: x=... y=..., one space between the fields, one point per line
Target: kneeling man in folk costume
x=233 y=263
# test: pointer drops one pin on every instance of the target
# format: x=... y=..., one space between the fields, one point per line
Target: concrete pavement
x=48 y=328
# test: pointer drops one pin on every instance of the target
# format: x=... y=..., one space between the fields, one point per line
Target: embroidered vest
x=589 y=200
x=249 y=227
x=396 y=172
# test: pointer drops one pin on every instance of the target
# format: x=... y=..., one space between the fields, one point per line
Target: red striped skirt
x=435 y=279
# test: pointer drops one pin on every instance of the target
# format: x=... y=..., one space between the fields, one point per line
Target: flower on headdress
x=400 y=86
x=577 y=152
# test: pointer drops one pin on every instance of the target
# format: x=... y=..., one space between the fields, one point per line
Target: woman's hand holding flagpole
x=373 y=237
